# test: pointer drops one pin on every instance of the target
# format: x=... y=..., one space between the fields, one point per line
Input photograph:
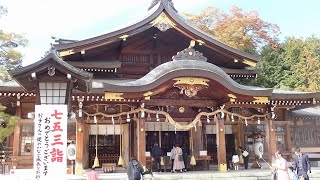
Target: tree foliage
x=8 y=125
x=241 y=30
x=10 y=57
x=293 y=66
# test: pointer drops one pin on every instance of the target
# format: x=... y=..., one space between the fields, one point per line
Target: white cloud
x=41 y=19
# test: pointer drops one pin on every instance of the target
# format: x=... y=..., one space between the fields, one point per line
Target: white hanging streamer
x=95 y=119
x=112 y=119
x=128 y=118
x=232 y=118
x=208 y=120
x=258 y=120
x=142 y=114
x=246 y=122
x=222 y=115
x=157 y=116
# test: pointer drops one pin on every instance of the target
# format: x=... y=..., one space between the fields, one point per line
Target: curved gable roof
x=162 y=6
x=23 y=75
x=179 y=68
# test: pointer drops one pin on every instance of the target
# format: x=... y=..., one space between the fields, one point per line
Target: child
x=292 y=174
x=235 y=161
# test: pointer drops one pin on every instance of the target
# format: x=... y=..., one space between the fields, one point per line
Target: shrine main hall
x=158 y=80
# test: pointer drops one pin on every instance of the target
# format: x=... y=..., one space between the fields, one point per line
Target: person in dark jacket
x=134 y=169
x=156 y=155
x=185 y=156
x=301 y=164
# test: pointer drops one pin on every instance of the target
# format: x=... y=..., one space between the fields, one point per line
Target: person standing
x=185 y=156
x=235 y=161
x=157 y=154
x=301 y=164
x=134 y=169
x=172 y=155
x=245 y=155
x=281 y=167
x=93 y=175
x=178 y=159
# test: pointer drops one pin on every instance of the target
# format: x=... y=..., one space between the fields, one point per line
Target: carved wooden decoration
x=189 y=54
x=190 y=85
x=163 y=23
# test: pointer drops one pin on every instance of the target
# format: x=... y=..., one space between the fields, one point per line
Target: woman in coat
x=281 y=167
x=178 y=162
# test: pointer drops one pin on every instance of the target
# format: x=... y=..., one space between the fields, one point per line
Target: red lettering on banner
x=57 y=140
x=56 y=114
x=56 y=127
x=56 y=155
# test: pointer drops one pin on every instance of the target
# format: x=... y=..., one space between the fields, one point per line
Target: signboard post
x=50 y=146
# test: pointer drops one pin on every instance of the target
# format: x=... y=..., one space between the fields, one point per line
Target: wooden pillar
x=16 y=143
x=288 y=137
x=197 y=141
x=221 y=145
x=288 y=131
x=16 y=135
x=141 y=141
x=79 y=146
x=271 y=139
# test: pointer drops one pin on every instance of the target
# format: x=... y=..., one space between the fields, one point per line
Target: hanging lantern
x=259 y=120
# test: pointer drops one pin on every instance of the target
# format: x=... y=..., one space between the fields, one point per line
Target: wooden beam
x=177 y=102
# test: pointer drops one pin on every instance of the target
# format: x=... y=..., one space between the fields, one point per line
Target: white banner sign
x=50 y=141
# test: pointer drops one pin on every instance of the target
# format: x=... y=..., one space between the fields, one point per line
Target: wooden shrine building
x=159 y=80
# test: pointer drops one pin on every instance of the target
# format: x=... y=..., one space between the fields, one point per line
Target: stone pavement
x=27 y=174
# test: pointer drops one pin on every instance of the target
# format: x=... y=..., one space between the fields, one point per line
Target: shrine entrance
x=168 y=140
x=212 y=146
x=108 y=144
x=211 y=142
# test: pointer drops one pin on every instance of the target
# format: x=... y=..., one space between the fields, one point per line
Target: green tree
x=241 y=30
x=7 y=123
x=10 y=58
x=293 y=66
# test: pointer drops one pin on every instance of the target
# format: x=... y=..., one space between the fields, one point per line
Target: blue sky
x=74 y=19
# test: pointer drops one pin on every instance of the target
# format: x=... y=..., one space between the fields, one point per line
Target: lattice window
x=52 y=93
x=27 y=139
